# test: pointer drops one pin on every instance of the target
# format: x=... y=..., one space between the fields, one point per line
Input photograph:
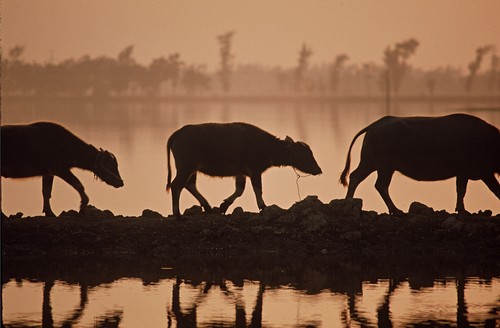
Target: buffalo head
x=106 y=168
x=301 y=157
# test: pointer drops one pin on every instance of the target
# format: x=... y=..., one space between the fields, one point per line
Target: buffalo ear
x=289 y=141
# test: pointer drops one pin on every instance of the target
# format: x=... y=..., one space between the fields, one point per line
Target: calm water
x=255 y=293
x=136 y=132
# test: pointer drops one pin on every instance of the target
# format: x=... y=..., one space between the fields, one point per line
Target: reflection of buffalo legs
x=354 y=314
x=188 y=318
x=47 y=320
x=111 y=319
x=183 y=319
x=462 y=320
x=79 y=311
x=257 y=311
x=383 y=311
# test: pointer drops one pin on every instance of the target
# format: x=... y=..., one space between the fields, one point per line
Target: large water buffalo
x=427 y=149
x=48 y=149
x=232 y=149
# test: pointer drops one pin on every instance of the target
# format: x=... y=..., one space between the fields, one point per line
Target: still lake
x=254 y=293
x=317 y=291
x=136 y=132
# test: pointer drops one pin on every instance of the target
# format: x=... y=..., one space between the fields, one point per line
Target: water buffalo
x=48 y=149
x=232 y=149
x=427 y=149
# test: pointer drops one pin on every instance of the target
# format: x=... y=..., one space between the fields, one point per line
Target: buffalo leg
x=461 y=189
x=382 y=186
x=47 y=181
x=178 y=184
x=73 y=181
x=356 y=177
x=257 y=189
x=191 y=187
x=240 y=187
x=492 y=184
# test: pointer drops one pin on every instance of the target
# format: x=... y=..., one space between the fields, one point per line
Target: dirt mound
x=309 y=226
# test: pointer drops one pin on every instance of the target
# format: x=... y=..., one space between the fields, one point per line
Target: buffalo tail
x=343 y=176
x=169 y=175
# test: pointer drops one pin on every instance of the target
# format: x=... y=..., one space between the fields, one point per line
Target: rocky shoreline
x=339 y=228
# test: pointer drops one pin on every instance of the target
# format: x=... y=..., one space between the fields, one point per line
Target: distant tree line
x=172 y=76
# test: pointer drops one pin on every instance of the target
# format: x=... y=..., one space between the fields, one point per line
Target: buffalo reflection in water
x=309 y=276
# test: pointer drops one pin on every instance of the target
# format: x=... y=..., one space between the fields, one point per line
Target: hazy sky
x=270 y=32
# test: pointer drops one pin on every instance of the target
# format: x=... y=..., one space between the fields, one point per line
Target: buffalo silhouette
x=231 y=149
x=47 y=149
x=427 y=149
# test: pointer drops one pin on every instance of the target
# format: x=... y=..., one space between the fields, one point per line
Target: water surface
x=249 y=293
x=137 y=131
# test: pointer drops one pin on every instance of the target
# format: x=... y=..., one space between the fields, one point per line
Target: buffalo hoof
x=217 y=210
x=224 y=206
x=179 y=218
x=463 y=212
x=50 y=214
x=397 y=212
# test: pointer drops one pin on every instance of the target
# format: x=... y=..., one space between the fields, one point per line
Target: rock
x=420 y=209
x=272 y=212
x=350 y=208
x=487 y=213
x=369 y=215
x=351 y=236
x=310 y=202
x=193 y=210
x=314 y=222
x=449 y=222
x=452 y=223
x=93 y=212
x=238 y=213
x=288 y=217
x=151 y=214
x=18 y=215
x=70 y=213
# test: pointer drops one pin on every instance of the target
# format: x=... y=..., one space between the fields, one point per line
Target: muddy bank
x=339 y=228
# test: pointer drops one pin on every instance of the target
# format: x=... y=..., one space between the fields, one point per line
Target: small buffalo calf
x=48 y=149
x=232 y=149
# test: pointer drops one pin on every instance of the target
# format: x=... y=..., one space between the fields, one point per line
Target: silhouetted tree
x=368 y=72
x=195 y=79
x=125 y=72
x=395 y=63
x=305 y=54
x=175 y=64
x=475 y=65
x=226 y=57
x=431 y=80
x=162 y=70
x=282 y=77
x=335 y=70
x=16 y=53
x=102 y=72
x=494 y=74
x=17 y=76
